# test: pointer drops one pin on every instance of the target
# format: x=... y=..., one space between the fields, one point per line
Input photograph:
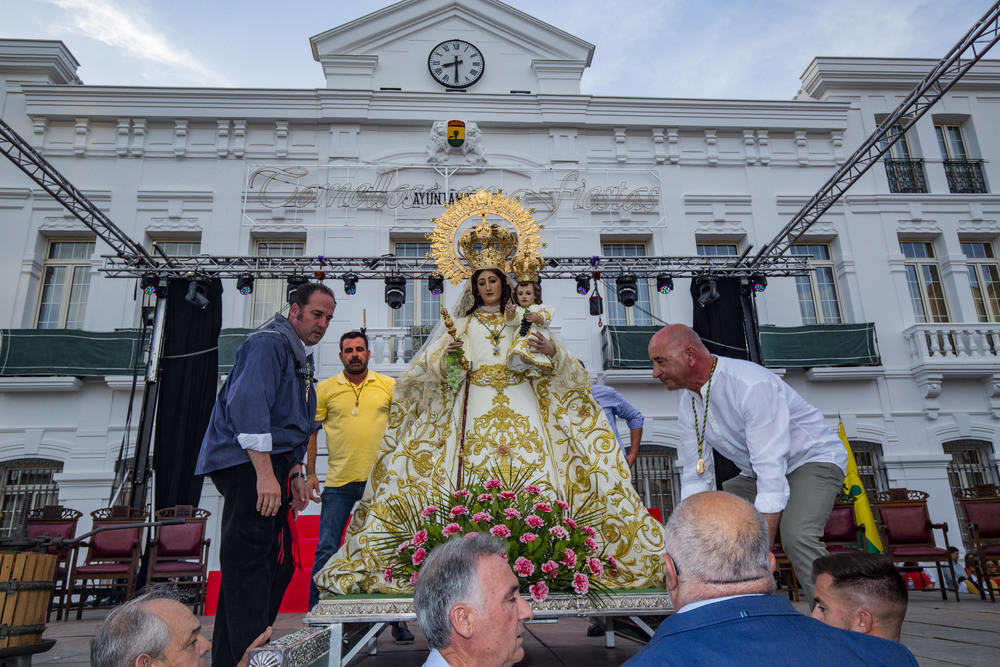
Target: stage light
x=435 y=284
x=759 y=282
x=395 y=291
x=149 y=283
x=197 y=294
x=350 y=283
x=582 y=283
x=664 y=283
x=553 y=263
x=244 y=284
x=708 y=291
x=596 y=304
x=628 y=293
x=294 y=282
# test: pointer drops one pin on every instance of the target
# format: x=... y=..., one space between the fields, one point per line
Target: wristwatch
x=297 y=474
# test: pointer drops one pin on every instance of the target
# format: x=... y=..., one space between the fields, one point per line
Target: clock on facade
x=456 y=63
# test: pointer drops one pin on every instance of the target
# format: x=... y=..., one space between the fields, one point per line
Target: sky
x=704 y=49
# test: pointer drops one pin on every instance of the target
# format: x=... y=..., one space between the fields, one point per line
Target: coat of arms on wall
x=455 y=137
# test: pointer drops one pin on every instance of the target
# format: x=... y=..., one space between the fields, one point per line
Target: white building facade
x=360 y=167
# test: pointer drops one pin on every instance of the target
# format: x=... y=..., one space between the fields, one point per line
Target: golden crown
x=486 y=245
x=526 y=267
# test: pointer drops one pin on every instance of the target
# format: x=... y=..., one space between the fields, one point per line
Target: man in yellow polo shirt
x=353 y=407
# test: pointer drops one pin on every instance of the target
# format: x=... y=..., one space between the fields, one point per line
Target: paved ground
x=938 y=633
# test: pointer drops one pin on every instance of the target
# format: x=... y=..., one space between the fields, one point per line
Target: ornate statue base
x=325 y=634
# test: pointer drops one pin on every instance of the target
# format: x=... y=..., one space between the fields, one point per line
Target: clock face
x=456 y=63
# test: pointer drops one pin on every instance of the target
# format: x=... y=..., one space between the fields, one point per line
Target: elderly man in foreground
x=468 y=605
x=154 y=629
x=720 y=574
x=860 y=592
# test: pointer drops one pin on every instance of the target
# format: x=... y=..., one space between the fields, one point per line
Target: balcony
x=965 y=176
x=956 y=351
x=905 y=175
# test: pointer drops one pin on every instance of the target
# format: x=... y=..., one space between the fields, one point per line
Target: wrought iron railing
x=656 y=479
x=965 y=176
x=905 y=175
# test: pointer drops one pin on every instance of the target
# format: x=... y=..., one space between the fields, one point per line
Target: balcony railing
x=964 y=349
x=905 y=175
x=965 y=176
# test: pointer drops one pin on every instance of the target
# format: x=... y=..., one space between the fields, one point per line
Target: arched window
x=24 y=485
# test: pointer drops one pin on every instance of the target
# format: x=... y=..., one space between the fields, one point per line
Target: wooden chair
x=111 y=555
x=981 y=511
x=180 y=551
x=842 y=534
x=784 y=566
x=908 y=531
x=55 y=521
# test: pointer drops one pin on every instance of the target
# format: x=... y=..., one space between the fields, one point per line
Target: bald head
x=718 y=544
x=680 y=359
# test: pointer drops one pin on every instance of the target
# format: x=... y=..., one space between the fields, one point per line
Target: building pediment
x=389 y=49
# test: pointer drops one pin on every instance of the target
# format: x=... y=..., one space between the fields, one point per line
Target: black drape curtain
x=189 y=372
x=720 y=325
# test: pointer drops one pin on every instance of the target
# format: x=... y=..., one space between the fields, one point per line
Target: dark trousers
x=256 y=559
x=338 y=501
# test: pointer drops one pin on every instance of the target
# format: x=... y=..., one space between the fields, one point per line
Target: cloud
x=122 y=28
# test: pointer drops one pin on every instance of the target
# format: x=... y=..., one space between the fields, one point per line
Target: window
x=718 y=250
x=905 y=174
x=26 y=484
x=421 y=308
x=984 y=279
x=269 y=296
x=656 y=479
x=180 y=248
x=818 y=302
x=923 y=279
x=65 y=285
x=964 y=174
x=971 y=463
x=871 y=468
x=619 y=315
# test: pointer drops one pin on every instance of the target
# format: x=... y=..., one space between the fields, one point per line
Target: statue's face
x=489 y=286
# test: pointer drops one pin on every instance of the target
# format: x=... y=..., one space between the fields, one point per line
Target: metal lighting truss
x=970 y=50
x=379 y=267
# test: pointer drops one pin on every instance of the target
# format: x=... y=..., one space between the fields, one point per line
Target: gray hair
x=448 y=577
x=130 y=631
x=719 y=546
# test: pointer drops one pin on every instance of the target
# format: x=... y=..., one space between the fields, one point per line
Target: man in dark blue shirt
x=253 y=451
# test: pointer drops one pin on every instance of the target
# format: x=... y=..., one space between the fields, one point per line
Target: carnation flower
x=562 y=504
x=569 y=522
x=569 y=558
x=581 y=584
x=550 y=567
x=511 y=513
x=534 y=521
x=450 y=529
x=524 y=567
x=559 y=532
x=413 y=578
x=500 y=530
x=612 y=563
x=430 y=509
x=419 y=538
x=461 y=493
x=543 y=507
x=493 y=484
x=539 y=592
x=589 y=531
x=419 y=555
x=402 y=546
x=591 y=544
x=388 y=575
x=481 y=517
x=533 y=490
x=508 y=495
x=528 y=537
x=484 y=498
x=596 y=568
x=458 y=510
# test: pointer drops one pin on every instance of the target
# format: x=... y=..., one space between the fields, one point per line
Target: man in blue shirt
x=615 y=406
x=253 y=450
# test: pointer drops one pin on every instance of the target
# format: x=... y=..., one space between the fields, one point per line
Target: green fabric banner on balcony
x=89 y=353
x=820 y=345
